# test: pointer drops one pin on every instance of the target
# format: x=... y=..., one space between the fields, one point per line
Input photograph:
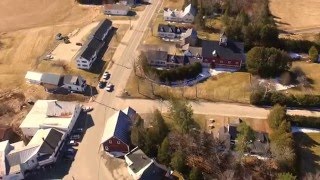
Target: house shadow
x=131 y=13
x=90 y=2
x=90 y=91
x=88 y=122
x=307 y=159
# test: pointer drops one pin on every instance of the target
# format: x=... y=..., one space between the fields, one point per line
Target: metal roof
x=138 y=159
x=34 y=76
x=117 y=126
x=53 y=79
x=102 y=29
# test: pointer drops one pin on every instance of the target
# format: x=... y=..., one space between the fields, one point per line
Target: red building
x=116 y=137
x=223 y=54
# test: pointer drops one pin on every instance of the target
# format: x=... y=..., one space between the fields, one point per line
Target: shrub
x=304 y=121
x=313 y=54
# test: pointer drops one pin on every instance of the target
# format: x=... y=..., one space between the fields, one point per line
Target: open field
x=173 y=4
x=296 y=14
x=308 y=146
x=312 y=71
x=228 y=87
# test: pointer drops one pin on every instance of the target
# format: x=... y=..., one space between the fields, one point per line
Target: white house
x=74 y=83
x=89 y=52
x=17 y=160
x=45 y=114
x=141 y=167
x=187 y=15
x=116 y=9
x=33 y=77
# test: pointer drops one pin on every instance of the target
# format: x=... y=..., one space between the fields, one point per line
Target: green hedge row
x=272 y=98
x=305 y=121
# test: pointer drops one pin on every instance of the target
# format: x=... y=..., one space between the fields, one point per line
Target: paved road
x=211 y=108
x=88 y=163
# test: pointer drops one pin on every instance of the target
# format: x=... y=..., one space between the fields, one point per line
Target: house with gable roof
x=116 y=136
x=187 y=15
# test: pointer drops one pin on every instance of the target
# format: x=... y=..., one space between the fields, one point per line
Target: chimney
x=223 y=40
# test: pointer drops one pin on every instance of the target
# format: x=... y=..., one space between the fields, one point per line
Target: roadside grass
x=312 y=71
x=228 y=87
x=308 y=151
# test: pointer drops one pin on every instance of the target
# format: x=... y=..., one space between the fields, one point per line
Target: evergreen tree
x=163 y=152
x=313 y=54
x=178 y=161
x=195 y=174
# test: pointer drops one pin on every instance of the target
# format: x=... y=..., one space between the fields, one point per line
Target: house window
x=221 y=61
x=110 y=141
x=84 y=61
x=78 y=65
x=118 y=142
x=229 y=62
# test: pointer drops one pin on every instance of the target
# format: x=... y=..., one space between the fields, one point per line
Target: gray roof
x=171 y=28
x=69 y=79
x=233 y=50
x=95 y=44
x=139 y=160
x=116 y=7
x=102 y=29
x=53 y=79
x=51 y=142
x=88 y=53
x=17 y=157
x=156 y=55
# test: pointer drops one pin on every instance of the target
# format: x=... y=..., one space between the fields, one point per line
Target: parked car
x=79 y=44
x=59 y=36
x=73 y=143
x=106 y=75
x=78 y=131
x=87 y=108
x=75 y=137
x=109 y=87
x=102 y=84
x=68 y=157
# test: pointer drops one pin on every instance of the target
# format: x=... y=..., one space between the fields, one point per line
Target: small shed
x=33 y=77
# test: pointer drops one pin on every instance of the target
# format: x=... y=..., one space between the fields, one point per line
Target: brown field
x=296 y=14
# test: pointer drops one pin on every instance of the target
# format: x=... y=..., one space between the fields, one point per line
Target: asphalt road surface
x=88 y=163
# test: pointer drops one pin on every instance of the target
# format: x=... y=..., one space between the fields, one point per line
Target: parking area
x=66 y=51
x=68 y=151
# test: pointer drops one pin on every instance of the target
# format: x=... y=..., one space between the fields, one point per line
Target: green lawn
x=308 y=146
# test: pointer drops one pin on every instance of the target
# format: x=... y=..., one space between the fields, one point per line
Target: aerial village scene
x=160 y=89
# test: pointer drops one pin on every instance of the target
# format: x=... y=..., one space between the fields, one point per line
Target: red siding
x=223 y=63
x=113 y=144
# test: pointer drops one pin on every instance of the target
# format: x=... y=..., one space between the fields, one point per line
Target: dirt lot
x=27 y=31
x=296 y=14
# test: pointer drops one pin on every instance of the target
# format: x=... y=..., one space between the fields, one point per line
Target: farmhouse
x=223 y=54
x=17 y=159
x=46 y=114
x=170 y=31
x=56 y=82
x=186 y=16
x=116 y=136
x=89 y=52
x=141 y=167
x=116 y=9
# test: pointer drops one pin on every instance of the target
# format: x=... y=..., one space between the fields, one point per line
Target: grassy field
x=228 y=87
x=312 y=71
x=308 y=146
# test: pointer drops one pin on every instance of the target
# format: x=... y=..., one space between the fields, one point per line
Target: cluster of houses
x=47 y=126
x=90 y=51
x=220 y=55
x=55 y=83
x=227 y=135
x=116 y=142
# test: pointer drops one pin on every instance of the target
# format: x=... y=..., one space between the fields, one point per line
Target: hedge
x=272 y=98
x=305 y=121
x=179 y=73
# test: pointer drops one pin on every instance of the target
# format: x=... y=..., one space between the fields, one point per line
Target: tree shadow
x=307 y=159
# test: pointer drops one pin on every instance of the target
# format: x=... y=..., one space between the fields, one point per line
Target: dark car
x=79 y=44
x=77 y=131
x=68 y=157
x=75 y=137
x=102 y=84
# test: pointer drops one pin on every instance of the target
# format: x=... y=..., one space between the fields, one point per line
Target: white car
x=87 y=108
x=106 y=75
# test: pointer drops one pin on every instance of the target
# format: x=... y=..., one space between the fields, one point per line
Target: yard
x=228 y=87
x=308 y=146
x=311 y=70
